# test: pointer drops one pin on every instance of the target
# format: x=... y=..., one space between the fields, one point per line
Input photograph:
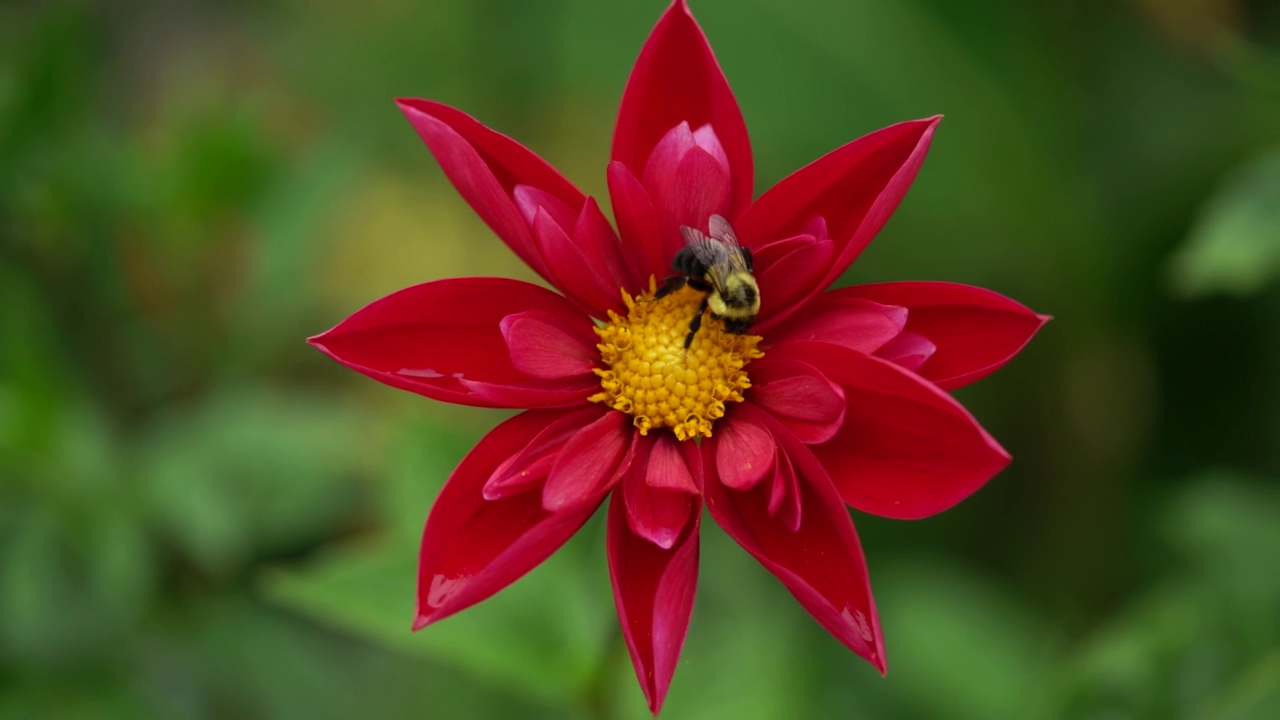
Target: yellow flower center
x=655 y=379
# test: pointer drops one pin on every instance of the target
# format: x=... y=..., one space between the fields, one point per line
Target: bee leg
x=670 y=285
x=697 y=323
x=699 y=285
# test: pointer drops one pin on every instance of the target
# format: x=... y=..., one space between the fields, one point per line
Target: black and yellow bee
x=717 y=264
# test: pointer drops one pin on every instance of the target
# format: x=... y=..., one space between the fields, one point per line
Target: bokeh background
x=202 y=517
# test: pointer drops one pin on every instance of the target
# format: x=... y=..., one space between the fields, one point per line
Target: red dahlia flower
x=835 y=397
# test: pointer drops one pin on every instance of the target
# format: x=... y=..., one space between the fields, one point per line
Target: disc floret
x=650 y=375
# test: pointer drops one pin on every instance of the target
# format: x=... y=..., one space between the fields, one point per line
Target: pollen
x=651 y=376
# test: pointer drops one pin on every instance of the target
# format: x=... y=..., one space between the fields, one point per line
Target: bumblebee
x=717 y=264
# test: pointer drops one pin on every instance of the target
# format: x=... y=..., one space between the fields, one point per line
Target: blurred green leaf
x=288 y=220
x=33 y=374
x=228 y=655
x=1225 y=515
x=220 y=163
x=1234 y=246
x=1206 y=640
x=120 y=565
x=1254 y=696
x=53 y=69
x=252 y=469
x=1224 y=524
x=190 y=503
x=980 y=652
x=1127 y=667
x=79 y=563
x=108 y=695
x=543 y=635
x=36 y=592
x=421 y=455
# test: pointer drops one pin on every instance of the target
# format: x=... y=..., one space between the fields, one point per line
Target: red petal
x=582 y=253
x=592 y=280
x=975 y=330
x=837 y=318
x=745 y=454
x=855 y=188
x=542 y=347
x=472 y=547
x=606 y=263
x=444 y=340
x=908 y=350
x=529 y=200
x=677 y=79
x=486 y=166
x=687 y=182
x=906 y=449
x=517 y=475
x=788 y=270
x=653 y=589
x=657 y=515
x=650 y=250
x=529 y=468
x=590 y=463
x=654 y=513
x=668 y=469
x=538 y=395
x=821 y=561
x=798 y=396
x=784 y=495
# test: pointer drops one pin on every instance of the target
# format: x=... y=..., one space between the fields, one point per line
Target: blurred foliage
x=201 y=517
x=1235 y=245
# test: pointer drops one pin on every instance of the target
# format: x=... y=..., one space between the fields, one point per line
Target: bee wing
x=721 y=230
x=709 y=251
x=712 y=253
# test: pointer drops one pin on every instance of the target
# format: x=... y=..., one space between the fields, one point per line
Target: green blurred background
x=201 y=517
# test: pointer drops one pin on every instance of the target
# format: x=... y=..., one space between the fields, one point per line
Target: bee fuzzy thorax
x=651 y=375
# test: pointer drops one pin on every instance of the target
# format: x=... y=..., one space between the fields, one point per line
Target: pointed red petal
x=677 y=79
x=529 y=468
x=542 y=347
x=642 y=236
x=784 y=495
x=591 y=462
x=855 y=188
x=604 y=259
x=583 y=257
x=798 y=396
x=821 y=561
x=444 y=340
x=975 y=330
x=668 y=469
x=687 y=178
x=908 y=350
x=745 y=454
x=486 y=167
x=788 y=270
x=653 y=589
x=472 y=547
x=906 y=449
x=836 y=317
x=569 y=266
x=657 y=514
x=529 y=200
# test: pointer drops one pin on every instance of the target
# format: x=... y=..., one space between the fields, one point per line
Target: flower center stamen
x=651 y=376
